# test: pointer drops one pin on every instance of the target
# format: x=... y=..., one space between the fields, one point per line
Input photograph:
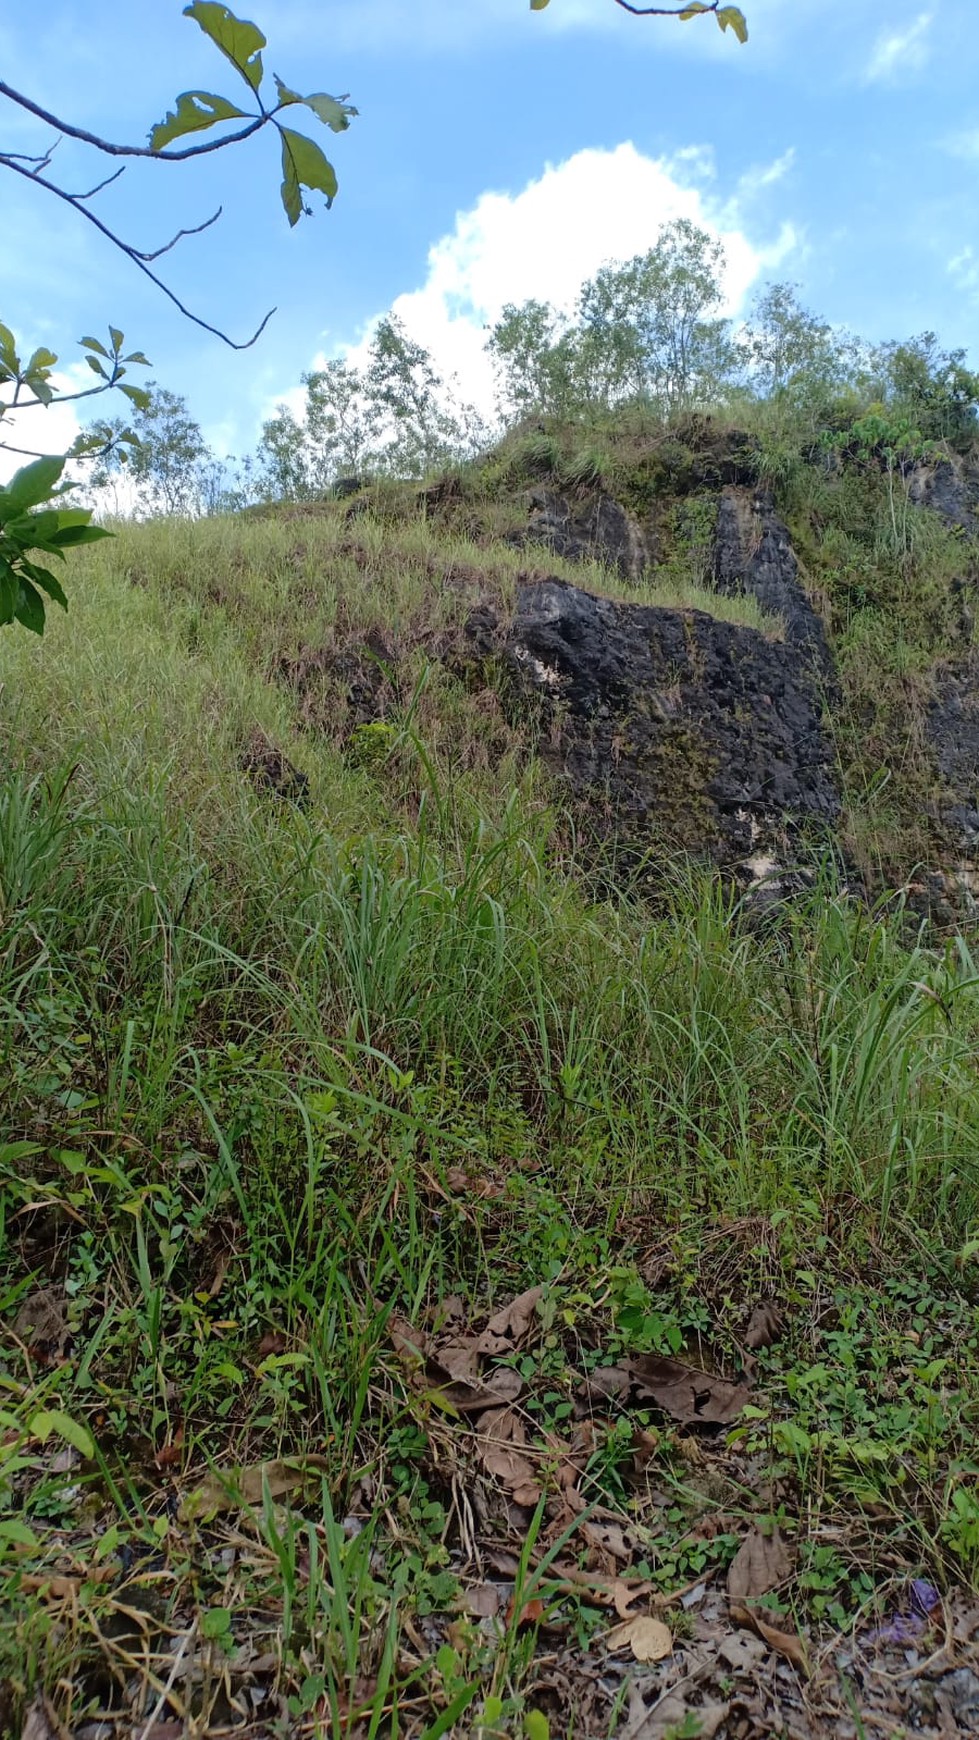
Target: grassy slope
x=272 y=1077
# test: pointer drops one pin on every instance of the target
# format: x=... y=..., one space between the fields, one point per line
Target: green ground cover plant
x=363 y=1163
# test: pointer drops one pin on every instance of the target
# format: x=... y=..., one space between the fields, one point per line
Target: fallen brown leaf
x=506 y=1329
x=42 y=1326
x=499 y=1388
x=169 y=1455
x=500 y=1445
x=671 y=1715
x=483 y=1600
x=531 y=1613
x=648 y=1639
x=764 y=1326
x=239 y=1488
x=761 y=1563
x=690 y=1396
x=272 y=1343
x=787 y=1643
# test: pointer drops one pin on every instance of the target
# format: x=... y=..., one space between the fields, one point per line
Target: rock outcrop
x=753 y=554
x=951 y=488
x=675 y=730
x=600 y=530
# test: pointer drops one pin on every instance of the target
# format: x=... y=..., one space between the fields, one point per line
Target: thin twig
x=133 y=254
x=196 y=231
x=106 y=183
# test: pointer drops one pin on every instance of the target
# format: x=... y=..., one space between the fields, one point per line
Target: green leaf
x=538 y=5
x=195 y=111
x=139 y=396
x=96 y=367
x=8 y=347
x=304 y=165
x=39 y=387
x=42 y=360
x=94 y=344
x=732 y=18
x=46 y=580
x=9 y=592
x=239 y=41
x=30 y=610
x=136 y=356
x=333 y=113
x=52 y=1420
x=30 y=485
x=285 y=95
x=118 y=340
x=694 y=10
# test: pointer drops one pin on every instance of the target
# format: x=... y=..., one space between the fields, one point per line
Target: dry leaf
x=170 y=1454
x=272 y=1343
x=499 y=1388
x=239 y=1488
x=483 y=1600
x=500 y=1445
x=507 y=1328
x=764 y=1326
x=787 y=1643
x=648 y=1639
x=694 y=1398
x=762 y=1562
x=742 y=1652
x=531 y=1613
x=409 y=1343
x=669 y=1716
x=690 y=1396
x=41 y=1325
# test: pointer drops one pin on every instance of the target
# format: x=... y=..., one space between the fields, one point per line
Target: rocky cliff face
x=676 y=731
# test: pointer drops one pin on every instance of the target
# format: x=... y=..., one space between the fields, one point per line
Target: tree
x=170 y=469
x=651 y=322
x=794 y=361
x=536 y=356
x=934 y=387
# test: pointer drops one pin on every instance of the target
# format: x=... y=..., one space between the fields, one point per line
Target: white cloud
x=41 y=429
x=963 y=269
x=546 y=240
x=964 y=144
x=898 y=53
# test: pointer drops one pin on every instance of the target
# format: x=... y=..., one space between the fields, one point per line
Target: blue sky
x=498 y=154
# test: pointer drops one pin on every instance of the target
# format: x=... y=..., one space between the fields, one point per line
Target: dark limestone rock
x=753 y=554
x=952 y=727
x=347 y=486
x=951 y=488
x=271 y=771
x=674 y=729
x=599 y=530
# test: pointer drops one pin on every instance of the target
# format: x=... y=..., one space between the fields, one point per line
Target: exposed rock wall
x=675 y=729
x=753 y=554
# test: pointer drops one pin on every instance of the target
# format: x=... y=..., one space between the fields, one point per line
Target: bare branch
x=139 y=260
x=656 y=11
x=196 y=231
x=111 y=150
x=106 y=183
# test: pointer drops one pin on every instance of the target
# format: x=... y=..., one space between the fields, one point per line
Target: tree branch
x=139 y=260
x=110 y=150
x=653 y=11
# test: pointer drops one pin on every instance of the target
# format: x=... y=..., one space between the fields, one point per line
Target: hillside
x=489 y=1021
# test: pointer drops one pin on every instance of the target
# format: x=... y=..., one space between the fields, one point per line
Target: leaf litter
x=681 y=1657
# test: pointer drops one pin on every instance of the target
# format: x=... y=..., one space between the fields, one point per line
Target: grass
x=285 y=1088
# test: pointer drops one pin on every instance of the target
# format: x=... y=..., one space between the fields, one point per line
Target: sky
x=498 y=154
